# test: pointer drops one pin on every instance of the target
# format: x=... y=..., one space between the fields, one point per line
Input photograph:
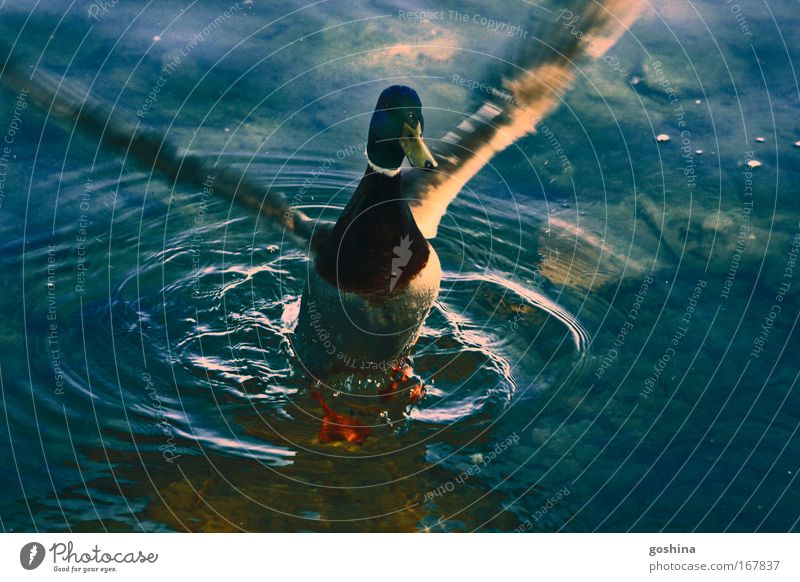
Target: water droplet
x=662 y=137
x=697 y=101
x=753 y=164
x=698 y=152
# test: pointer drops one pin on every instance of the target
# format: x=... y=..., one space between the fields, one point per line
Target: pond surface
x=614 y=347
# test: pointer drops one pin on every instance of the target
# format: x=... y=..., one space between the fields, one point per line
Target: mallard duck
x=374 y=276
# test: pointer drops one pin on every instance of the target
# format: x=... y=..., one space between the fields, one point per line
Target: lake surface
x=615 y=345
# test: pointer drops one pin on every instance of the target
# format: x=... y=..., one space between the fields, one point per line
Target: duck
x=373 y=276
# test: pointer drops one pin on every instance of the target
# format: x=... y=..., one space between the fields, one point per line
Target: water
x=605 y=354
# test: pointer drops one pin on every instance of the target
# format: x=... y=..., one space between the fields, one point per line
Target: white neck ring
x=385 y=171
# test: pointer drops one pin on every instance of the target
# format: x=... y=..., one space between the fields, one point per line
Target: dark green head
x=395 y=131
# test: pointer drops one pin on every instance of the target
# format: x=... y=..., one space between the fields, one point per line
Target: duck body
x=373 y=282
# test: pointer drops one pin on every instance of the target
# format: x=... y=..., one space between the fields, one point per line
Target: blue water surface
x=614 y=348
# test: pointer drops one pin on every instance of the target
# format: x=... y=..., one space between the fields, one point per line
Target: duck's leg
x=403 y=384
x=339 y=427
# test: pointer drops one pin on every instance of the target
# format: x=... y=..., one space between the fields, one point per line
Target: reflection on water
x=148 y=380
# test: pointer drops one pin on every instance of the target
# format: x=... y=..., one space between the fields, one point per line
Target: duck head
x=395 y=131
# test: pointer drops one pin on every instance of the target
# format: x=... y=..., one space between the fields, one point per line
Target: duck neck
x=375 y=168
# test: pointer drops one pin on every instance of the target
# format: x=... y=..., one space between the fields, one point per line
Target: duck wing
x=517 y=95
x=72 y=105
